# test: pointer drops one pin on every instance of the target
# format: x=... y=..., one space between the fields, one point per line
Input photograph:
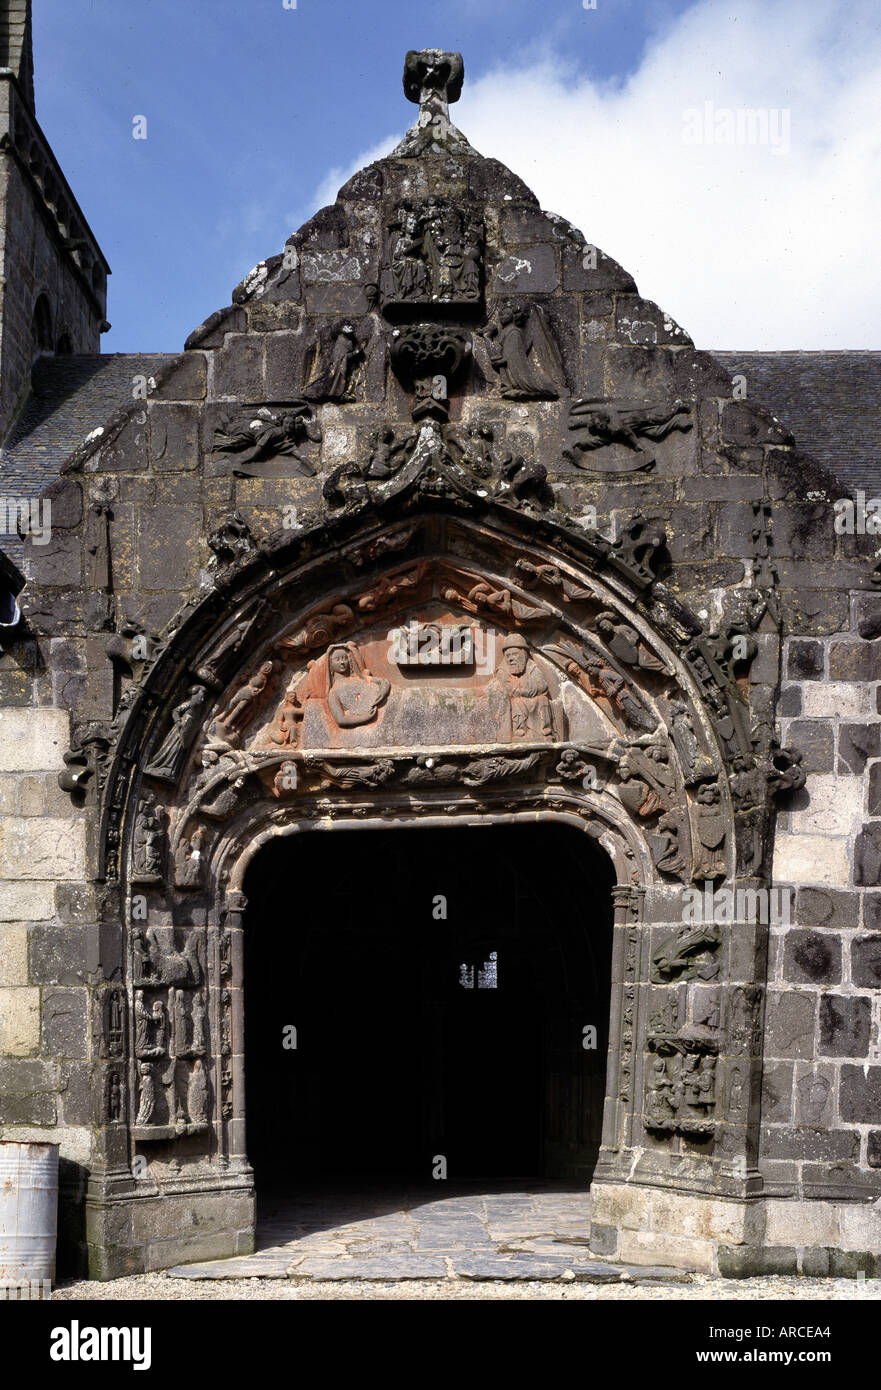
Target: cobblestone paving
x=467 y=1244
x=539 y=1233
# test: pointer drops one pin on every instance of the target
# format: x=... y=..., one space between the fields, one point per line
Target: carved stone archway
x=478 y=659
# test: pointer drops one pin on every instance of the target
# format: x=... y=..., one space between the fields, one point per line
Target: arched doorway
x=295 y=699
x=439 y=982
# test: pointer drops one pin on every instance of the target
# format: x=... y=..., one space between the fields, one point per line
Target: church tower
x=53 y=276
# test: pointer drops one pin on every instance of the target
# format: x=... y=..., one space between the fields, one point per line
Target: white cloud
x=746 y=246
x=335 y=178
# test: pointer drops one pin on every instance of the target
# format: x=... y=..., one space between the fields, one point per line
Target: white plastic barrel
x=28 y=1212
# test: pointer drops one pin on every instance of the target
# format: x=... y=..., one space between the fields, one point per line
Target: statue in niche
x=435 y=253
x=185 y=720
x=247 y=699
x=683 y=736
x=189 y=863
x=113 y=1023
x=151 y=1027
x=342 y=682
x=267 y=434
x=606 y=683
x=624 y=642
x=338 y=352
x=147 y=1094
x=736 y=1092
x=519 y=695
x=197 y=1025
x=513 y=341
x=598 y=423
x=197 y=1094
x=114 y=1098
x=409 y=271
x=147 y=841
x=690 y=1080
x=453 y=259
x=705 y=1097
x=661 y=1100
x=710 y=832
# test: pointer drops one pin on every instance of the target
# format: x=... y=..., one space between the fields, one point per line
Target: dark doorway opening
x=422 y=994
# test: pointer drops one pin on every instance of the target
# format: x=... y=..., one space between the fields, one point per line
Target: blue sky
x=249 y=106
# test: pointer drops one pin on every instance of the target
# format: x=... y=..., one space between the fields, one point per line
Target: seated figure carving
x=520 y=697
x=342 y=682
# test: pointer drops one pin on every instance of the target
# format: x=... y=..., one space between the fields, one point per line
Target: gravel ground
x=163 y=1287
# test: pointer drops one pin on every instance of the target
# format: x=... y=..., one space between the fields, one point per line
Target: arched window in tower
x=44 y=337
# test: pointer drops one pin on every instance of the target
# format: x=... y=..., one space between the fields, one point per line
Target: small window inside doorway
x=486 y=974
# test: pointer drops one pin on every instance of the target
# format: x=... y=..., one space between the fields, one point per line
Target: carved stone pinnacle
x=432 y=74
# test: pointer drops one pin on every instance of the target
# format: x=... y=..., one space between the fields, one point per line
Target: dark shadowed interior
x=406 y=1049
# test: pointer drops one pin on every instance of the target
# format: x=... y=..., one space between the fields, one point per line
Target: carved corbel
x=85 y=763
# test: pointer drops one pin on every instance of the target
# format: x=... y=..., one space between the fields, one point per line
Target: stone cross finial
x=433 y=76
x=432 y=79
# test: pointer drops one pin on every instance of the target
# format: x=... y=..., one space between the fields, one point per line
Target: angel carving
x=267 y=434
x=597 y=423
x=523 y=353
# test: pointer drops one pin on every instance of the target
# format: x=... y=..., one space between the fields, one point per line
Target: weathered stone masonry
x=441 y=405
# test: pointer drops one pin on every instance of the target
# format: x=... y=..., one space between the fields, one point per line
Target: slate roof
x=71 y=396
x=830 y=400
